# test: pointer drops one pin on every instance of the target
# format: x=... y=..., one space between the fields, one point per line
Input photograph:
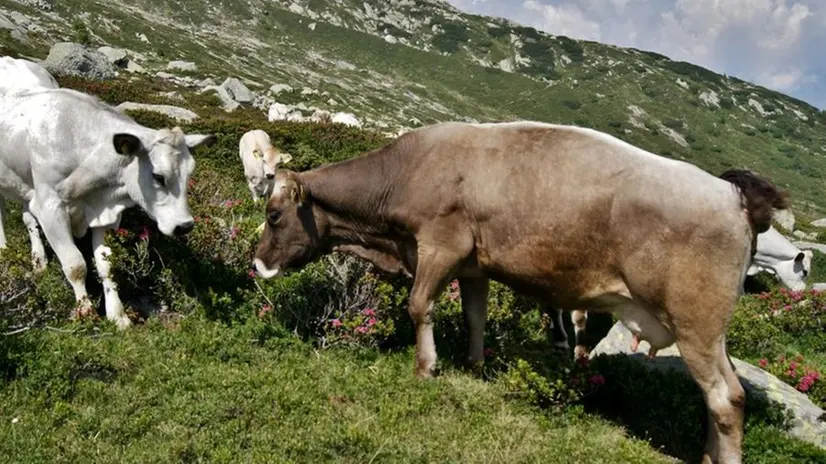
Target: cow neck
x=355 y=195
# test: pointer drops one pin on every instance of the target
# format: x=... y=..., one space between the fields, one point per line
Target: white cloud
x=786 y=80
x=565 y=20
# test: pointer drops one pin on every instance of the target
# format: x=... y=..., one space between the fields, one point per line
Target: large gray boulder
x=116 y=56
x=238 y=91
x=785 y=218
x=75 y=59
x=227 y=102
x=175 y=112
x=806 y=423
x=181 y=66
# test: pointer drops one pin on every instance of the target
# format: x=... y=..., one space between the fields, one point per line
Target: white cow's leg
x=54 y=220
x=254 y=193
x=114 y=306
x=474 y=294
x=579 y=317
x=38 y=251
x=2 y=223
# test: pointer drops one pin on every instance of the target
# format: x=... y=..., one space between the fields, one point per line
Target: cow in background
x=260 y=160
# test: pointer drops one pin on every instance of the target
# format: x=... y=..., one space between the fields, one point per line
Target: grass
x=199 y=391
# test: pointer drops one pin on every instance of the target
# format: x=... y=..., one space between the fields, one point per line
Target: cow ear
x=298 y=193
x=285 y=158
x=127 y=144
x=193 y=141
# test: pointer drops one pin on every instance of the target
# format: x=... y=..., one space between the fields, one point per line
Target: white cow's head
x=165 y=164
x=261 y=175
x=793 y=272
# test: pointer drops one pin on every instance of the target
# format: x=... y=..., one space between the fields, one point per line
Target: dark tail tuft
x=761 y=196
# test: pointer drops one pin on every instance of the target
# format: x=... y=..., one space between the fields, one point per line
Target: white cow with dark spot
x=78 y=163
x=775 y=254
x=260 y=160
x=18 y=75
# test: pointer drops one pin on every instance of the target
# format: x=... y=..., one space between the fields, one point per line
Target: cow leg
x=114 y=306
x=2 y=223
x=474 y=294
x=255 y=196
x=559 y=337
x=579 y=317
x=432 y=275
x=54 y=220
x=38 y=251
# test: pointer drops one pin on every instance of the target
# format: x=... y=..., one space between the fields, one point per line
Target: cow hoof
x=122 y=322
x=84 y=309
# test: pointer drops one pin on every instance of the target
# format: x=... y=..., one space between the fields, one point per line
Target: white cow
x=78 y=163
x=17 y=75
x=775 y=254
x=260 y=160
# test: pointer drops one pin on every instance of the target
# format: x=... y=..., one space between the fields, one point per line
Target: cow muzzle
x=184 y=228
x=266 y=272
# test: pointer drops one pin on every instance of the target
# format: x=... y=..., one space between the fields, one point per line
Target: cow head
x=261 y=175
x=164 y=165
x=291 y=237
x=792 y=273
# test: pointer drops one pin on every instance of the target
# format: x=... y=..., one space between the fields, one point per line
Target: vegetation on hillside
x=318 y=365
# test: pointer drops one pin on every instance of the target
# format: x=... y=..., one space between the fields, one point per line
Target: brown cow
x=568 y=215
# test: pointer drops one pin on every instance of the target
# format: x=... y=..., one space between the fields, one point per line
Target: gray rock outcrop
x=806 y=423
x=75 y=59
x=116 y=56
x=175 y=112
x=238 y=91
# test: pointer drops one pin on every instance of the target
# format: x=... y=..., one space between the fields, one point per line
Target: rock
x=820 y=286
x=142 y=37
x=803 y=245
x=131 y=66
x=332 y=102
x=800 y=234
x=819 y=223
x=320 y=116
x=785 y=218
x=282 y=112
x=278 y=88
x=181 y=66
x=40 y=4
x=806 y=424
x=169 y=110
x=75 y=59
x=346 y=118
x=238 y=91
x=390 y=39
x=17 y=31
x=226 y=99
x=116 y=56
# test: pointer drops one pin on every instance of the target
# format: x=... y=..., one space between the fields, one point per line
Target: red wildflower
x=597 y=379
x=233 y=232
x=251 y=273
x=372 y=321
x=362 y=329
x=145 y=234
x=454 y=285
x=336 y=323
x=264 y=310
x=764 y=362
x=122 y=232
x=369 y=312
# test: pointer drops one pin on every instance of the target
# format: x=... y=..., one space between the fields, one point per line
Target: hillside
x=407 y=62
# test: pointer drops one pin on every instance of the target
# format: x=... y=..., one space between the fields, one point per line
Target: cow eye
x=273 y=216
x=159 y=179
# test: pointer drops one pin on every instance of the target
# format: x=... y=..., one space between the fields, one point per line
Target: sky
x=780 y=44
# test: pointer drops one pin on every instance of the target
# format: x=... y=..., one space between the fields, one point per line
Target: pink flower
x=454 y=285
x=372 y=321
x=145 y=234
x=264 y=310
x=369 y=312
x=122 y=232
x=596 y=379
x=228 y=203
x=764 y=362
x=362 y=329
x=787 y=307
x=233 y=232
x=190 y=183
x=336 y=323
x=792 y=366
x=251 y=273
x=197 y=219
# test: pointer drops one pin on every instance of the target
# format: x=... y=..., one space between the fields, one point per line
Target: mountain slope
x=408 y=62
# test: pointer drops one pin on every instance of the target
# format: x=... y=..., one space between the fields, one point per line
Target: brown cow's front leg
x=435 y=265
x=474 y=294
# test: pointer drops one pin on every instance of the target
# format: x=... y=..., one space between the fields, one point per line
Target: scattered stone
x=278 y=88
x=133 y=67
x=169 y=110
x=820 y=286
x=800 y=234
x=75 y=59
x=227 y=102
x=238 y=91
x=206 y=82
x=346 y=118
x=142 y=37
x=181 y=66
x=806 y=423
x=116 y=56
x=282 y=112
x=819 y=223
